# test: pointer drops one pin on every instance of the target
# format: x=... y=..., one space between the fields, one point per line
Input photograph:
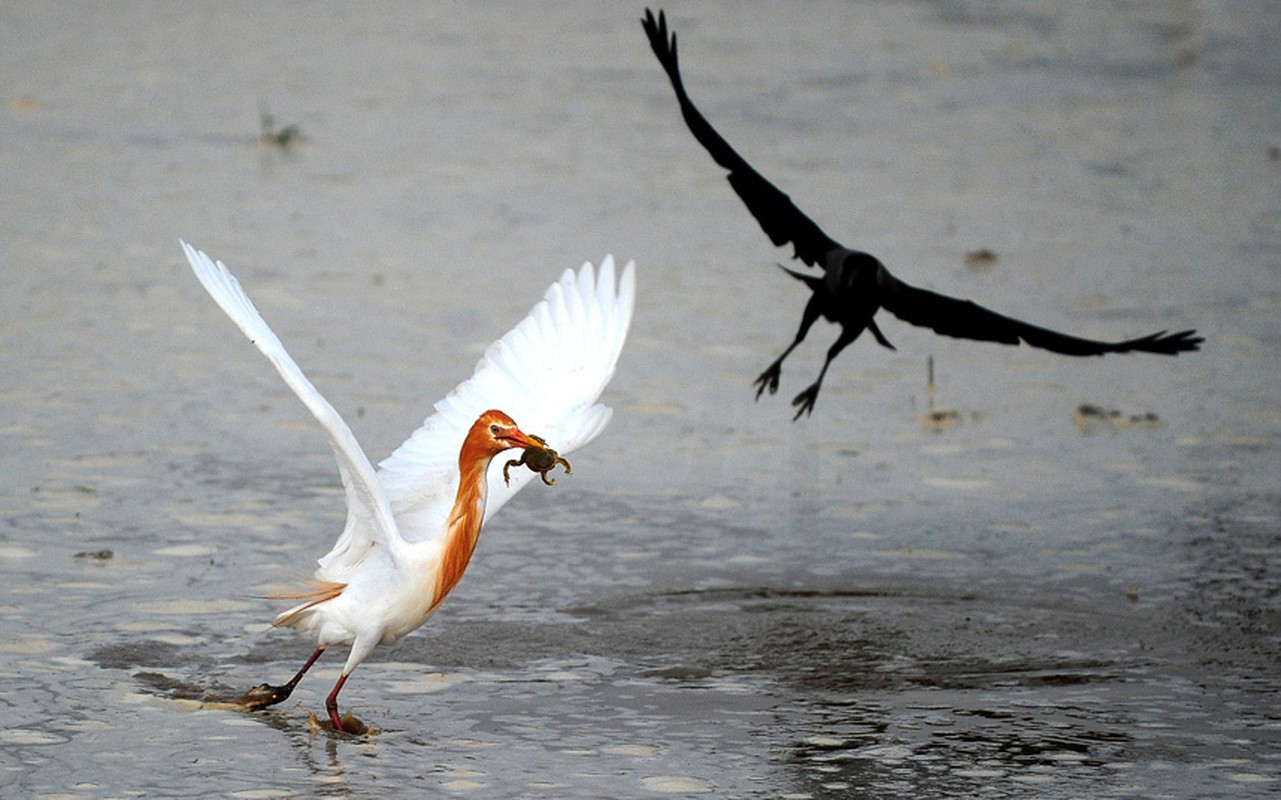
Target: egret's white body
x=412 y=524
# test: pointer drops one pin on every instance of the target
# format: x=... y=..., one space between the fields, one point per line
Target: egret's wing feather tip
x=546 y=372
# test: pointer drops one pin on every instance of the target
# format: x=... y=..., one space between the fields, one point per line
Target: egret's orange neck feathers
x=462 y=530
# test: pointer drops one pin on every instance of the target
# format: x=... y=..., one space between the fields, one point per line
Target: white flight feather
x=546 y=373
x=367 y=506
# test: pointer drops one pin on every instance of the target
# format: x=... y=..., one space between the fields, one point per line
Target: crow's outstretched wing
x=964 y=319
x=778 y=216
x=783 y=222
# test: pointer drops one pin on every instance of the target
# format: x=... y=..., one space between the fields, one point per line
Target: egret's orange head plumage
x=492 y=433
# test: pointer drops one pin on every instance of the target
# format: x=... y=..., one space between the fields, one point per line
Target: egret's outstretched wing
x=546 y=373
x=369 y=517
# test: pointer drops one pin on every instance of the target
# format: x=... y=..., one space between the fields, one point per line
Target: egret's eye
x=495 y=430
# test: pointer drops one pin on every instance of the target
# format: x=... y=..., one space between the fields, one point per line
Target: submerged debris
x=983 y=258
x=269 y=134
x=940 y=419
x=96 y=556
x=937 y=419
x=1089 y=417
x=24 y=103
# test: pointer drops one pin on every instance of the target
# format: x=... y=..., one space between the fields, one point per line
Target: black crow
x=854 y=285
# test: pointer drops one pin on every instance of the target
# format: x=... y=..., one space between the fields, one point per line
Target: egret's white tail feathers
x=546 y=373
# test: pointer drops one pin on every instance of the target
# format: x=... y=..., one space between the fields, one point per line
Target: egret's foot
x=264 y=695
x=768 y=379
x=352 y=725
x=348 y=724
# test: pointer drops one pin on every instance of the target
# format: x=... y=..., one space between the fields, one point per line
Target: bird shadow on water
x=301 y=729
x=151 y=662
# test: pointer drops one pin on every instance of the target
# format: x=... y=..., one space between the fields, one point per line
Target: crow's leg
x=769 y=378
x=804 y=401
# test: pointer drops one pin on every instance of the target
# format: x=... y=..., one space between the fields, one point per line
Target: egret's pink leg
x=331 y=703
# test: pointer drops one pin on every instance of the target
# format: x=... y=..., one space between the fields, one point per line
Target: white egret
x=413 y=524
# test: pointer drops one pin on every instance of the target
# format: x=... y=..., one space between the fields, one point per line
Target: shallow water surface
x=1009 y=598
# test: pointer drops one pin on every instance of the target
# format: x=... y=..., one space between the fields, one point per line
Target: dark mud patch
x=859 y=640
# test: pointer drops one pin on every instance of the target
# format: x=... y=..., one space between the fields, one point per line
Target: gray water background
x=719 y=601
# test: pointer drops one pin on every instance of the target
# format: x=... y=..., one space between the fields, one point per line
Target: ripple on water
x=28 y=645
x=1250 y=777
x=961 y=484
x=178 y=607
x=677 y=784
x=425 y=684
x=15 y=552
x=25 y=737
x=633 y=750
x=187 y=550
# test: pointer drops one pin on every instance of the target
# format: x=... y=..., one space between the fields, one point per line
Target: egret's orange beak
x=518 y=438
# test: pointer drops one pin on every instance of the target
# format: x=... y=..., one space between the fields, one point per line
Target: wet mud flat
x=834 y=686
x=762 y=692
x=1039 y=578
